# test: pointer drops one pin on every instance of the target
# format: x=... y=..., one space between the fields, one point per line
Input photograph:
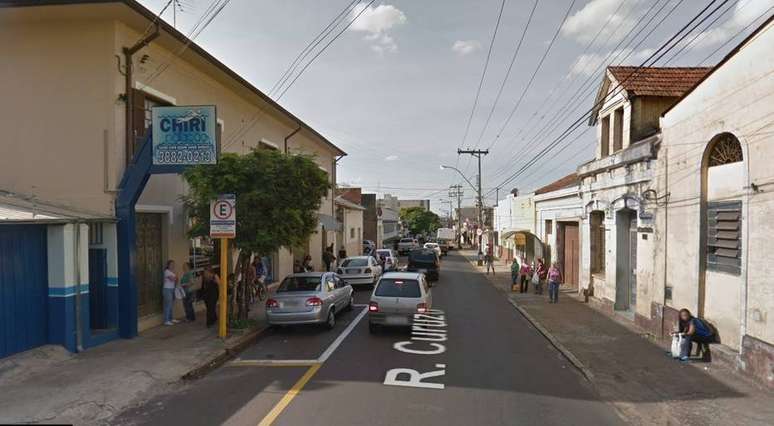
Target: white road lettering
x=414 y=377
x=402 y=346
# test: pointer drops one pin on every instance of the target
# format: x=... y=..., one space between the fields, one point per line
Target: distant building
x=370 y=218
x=394 y=203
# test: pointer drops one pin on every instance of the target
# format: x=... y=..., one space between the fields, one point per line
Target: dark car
x=424 y=261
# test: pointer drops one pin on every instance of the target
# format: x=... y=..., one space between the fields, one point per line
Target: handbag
x=179 y=293
x=535 y=279
x=677 y=340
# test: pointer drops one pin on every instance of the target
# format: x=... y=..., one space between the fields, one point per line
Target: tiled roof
x=567 y=181
x=658 y=81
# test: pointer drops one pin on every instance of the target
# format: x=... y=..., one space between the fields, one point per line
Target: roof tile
x=658 y=81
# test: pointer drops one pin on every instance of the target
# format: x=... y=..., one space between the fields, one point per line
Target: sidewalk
x=632 y=372
x=51 y=385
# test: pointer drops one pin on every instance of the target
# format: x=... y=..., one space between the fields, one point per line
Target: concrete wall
x=737 y=98
x=353 y=222
x=563 y=205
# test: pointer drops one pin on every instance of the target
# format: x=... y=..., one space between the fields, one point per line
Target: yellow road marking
x=285 y=401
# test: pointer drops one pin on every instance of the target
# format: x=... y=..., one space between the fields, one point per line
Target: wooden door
x=149 y=263
x=571 y=254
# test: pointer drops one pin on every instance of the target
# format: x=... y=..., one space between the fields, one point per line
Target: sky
x=396 y=89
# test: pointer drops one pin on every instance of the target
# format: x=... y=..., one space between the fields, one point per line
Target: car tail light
x=373 y=307
x=422 y=308
x=271 y=303
x=367 y=271
x=314 y=301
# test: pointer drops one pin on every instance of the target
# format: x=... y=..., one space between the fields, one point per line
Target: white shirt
x=169 y=279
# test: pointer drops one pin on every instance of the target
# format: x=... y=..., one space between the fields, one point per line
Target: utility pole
x=455 y=191
x=477 y=153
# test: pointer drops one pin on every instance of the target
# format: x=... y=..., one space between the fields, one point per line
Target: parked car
x=405 y=245
x=435 y=247
x=360 y=270
x=396 y=298
x=309 y=298
x=424 y=261
x=390 y=259
x=368 y=247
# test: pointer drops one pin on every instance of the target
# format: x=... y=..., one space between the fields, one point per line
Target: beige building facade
x=715 y=176
x=65 y=134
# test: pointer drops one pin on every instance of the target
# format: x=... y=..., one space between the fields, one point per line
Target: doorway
x=626 y=260
x=149 y=263
x=570 y=253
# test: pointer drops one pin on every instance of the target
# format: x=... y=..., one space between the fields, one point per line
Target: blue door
x=98 y=301
x=23 y=288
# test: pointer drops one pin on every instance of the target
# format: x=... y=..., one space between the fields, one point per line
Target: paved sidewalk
x=51 y=385
x=633 y=373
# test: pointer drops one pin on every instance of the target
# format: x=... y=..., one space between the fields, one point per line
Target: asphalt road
x=492 y=368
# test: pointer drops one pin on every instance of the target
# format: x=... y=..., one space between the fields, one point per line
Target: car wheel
x=351 y=302
x=372 y=328
x=331 y=321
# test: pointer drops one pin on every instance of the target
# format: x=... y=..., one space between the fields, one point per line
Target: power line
x=325 y=47
x=483 y=73
x=532 y=78
x=311 y=46
x=507 y=73
x=657 y=55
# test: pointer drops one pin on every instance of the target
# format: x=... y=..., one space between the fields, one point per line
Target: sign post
x=223 y=226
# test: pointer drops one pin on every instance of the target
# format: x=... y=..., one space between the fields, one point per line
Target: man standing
x=328 y=257
x=489 y=259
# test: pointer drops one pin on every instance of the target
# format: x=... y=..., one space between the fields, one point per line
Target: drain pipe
x=129 y=96
x=77 y=277
x=287 y=138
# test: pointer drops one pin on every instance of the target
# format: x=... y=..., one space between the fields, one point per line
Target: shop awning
x=16 y=208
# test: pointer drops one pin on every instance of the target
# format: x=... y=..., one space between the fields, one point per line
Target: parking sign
x=223 y=217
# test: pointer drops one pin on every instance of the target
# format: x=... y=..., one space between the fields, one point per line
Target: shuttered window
x=724 y=236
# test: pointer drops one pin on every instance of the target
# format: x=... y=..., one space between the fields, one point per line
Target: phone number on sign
x=193 y=156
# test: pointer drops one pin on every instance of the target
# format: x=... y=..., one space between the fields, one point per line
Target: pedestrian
x=515 y=274
x=210 y=292
x=554 y=280
x=693 y=330
x=342 y=254
x=307 y=265
x=328 y=258
x=168 y=291
x=187 y=283
x=541 y=272
x=525 y=275
x=489 y=258
x=260 y=269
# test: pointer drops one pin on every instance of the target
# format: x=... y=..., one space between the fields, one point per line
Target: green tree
x=419 y=220
x=277 y=199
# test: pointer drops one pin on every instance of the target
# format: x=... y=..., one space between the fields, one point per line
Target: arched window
x=725 y=149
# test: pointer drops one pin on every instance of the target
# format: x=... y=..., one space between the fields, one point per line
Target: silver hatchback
x=309 y=298
x=396 y=298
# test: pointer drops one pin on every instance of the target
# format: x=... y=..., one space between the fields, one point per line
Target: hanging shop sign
x=184 y=135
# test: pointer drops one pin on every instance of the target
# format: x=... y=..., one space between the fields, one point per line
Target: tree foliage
x=277 y=200
x=419 y=220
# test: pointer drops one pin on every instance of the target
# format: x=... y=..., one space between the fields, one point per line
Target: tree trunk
x=243 y=299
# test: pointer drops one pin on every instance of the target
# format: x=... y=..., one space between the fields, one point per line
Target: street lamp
x=478 y=191
x=443 y=167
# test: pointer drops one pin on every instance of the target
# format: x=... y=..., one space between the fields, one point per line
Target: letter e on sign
x=223 y=217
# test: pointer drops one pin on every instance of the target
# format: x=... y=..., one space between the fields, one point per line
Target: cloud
x=584 y=24
x=466 y=47
x=376 y=22
x=745 y=12
x=391 y=158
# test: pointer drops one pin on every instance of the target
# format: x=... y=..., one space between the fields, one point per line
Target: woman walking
x=554 y=279
x=187 y=283
x=525 y=275
x=210 y=291
x=541 y=272
x=515 y=274
x=168 y=291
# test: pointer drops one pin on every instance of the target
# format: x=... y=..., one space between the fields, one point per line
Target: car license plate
x=353 y=271
x=422 y=271
x=397 y=321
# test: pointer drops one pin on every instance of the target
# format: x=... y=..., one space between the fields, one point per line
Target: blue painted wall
x=23 y=288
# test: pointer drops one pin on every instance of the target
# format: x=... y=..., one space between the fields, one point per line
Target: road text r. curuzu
x=427 y=331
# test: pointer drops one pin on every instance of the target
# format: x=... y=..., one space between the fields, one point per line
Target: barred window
x=724 y=236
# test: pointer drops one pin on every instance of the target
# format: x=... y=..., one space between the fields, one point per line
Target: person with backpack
x=693 y=330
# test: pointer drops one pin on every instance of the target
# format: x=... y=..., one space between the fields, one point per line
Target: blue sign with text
x=184 y=135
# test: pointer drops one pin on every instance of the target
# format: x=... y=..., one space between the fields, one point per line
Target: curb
x=585 y=371
x=229 y=353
